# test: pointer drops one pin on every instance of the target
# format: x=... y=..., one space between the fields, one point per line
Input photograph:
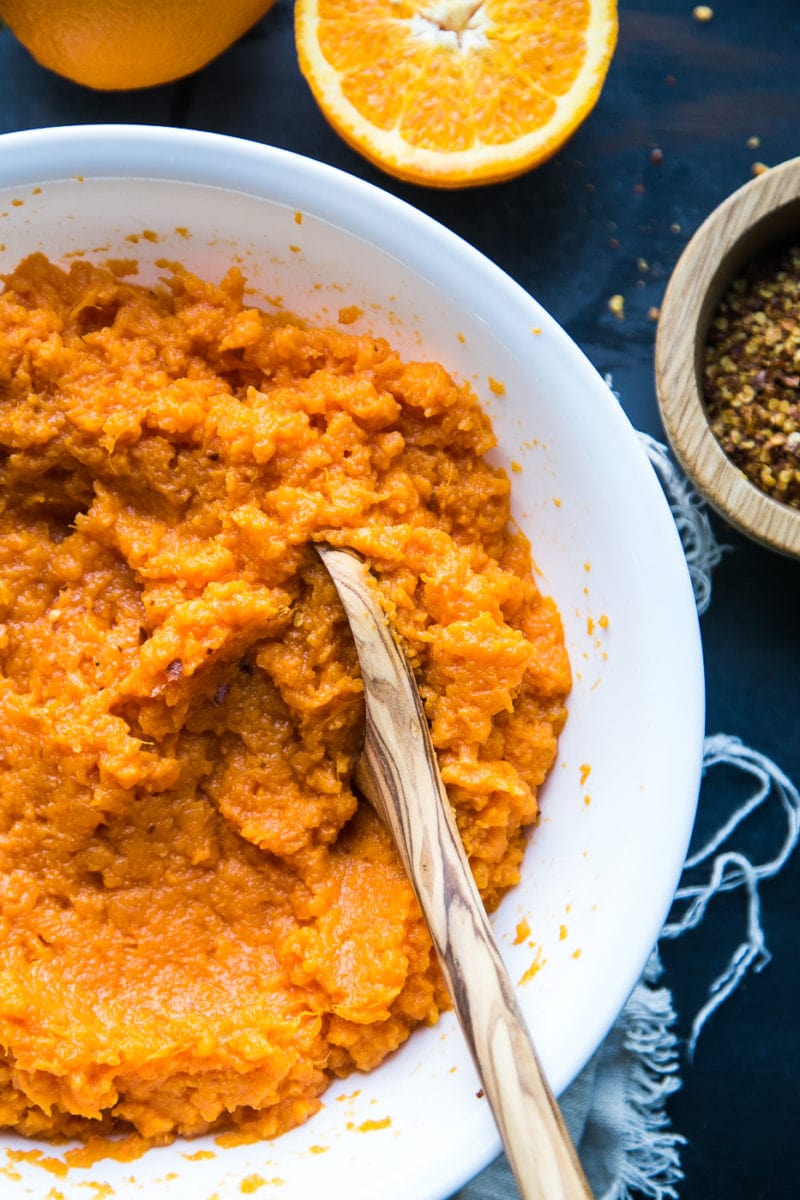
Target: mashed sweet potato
x=200 y=925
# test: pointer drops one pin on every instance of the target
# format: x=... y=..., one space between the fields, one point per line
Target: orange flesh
x=200 y=925
x=452 y=93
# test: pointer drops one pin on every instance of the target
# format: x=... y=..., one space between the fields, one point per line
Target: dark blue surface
x=575 y=232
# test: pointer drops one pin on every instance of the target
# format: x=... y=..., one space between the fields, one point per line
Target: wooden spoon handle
x=399 y=775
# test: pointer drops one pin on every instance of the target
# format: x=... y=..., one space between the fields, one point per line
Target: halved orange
x=455 y=92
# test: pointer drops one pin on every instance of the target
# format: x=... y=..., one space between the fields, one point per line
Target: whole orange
x=117 y=44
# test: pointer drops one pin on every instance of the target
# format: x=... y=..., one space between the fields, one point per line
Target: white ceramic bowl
x=598 y=875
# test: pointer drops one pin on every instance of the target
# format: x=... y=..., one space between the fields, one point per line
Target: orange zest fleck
x=371 y=1126
x=535 y=967
x=349 y=314
x=523 y=931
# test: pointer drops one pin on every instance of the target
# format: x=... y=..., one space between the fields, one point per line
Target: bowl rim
x=745 y=223
x=257 y=168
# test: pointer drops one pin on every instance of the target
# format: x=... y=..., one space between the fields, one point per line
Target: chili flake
x=751 y=375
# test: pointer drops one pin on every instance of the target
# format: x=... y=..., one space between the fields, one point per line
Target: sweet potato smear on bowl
x=200 y=924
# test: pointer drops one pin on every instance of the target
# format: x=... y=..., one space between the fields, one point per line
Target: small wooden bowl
x=760 y=214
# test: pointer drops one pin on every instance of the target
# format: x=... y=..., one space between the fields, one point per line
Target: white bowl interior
x=601 y=868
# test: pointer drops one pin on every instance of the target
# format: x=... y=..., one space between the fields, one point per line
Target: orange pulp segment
x=455 y=92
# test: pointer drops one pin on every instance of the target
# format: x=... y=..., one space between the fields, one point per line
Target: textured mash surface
x=200 y=924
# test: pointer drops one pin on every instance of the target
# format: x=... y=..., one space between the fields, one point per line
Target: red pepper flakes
x=751 y=374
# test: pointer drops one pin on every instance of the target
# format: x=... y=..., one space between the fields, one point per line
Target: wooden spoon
x=399 y=775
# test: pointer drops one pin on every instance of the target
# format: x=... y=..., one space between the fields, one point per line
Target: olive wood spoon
x=398 y=773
